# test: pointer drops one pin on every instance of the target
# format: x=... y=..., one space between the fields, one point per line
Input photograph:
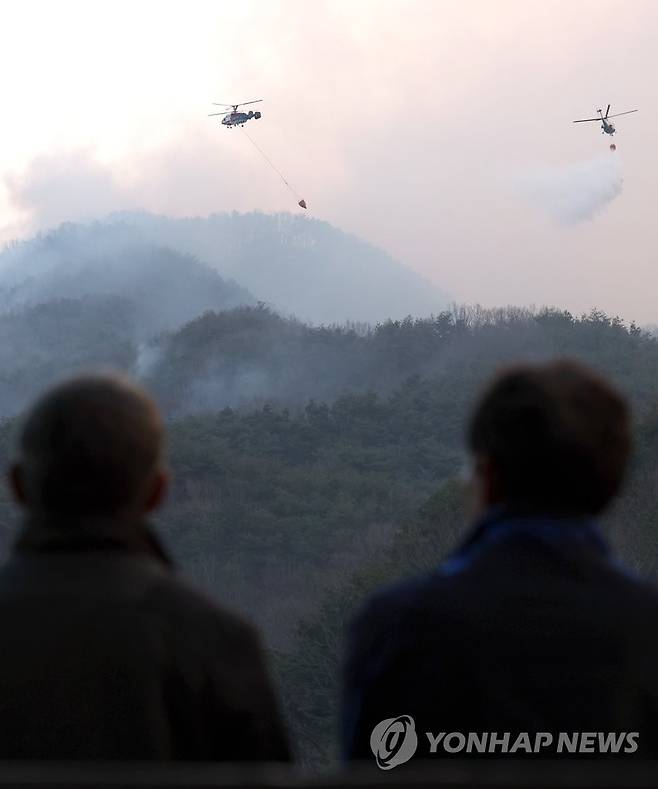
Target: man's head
x=91 y=447
x=552 y=438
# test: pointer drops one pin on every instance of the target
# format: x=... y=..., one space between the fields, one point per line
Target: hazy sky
x=440 y=130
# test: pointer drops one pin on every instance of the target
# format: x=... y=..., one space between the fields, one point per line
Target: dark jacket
x=105 y=654
x=530 y=627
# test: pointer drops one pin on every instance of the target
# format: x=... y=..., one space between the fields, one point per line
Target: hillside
x=43 y=343
x=132 y=292
x=251 y=356
x=90 y=296
x=300 y=266
x=166 y=287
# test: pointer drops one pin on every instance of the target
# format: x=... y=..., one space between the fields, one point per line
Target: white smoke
x=148 y=355
x=576 y=192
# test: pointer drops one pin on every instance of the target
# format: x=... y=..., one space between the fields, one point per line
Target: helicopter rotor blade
x=628 y=112
x=242 y=103
x=607 y=112
x=212 y=114
x=588 y=120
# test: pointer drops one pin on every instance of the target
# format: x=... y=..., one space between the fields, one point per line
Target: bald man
x=105 y=653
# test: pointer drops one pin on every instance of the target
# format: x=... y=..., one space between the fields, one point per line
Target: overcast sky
x=439 y=130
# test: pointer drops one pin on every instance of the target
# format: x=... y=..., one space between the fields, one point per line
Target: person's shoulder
x=192 y=612
x=394 y=605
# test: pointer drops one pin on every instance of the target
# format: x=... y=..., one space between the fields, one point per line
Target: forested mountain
x=340 y=469
x=299 y=266
x=102 y=293
x=45 y=342
x=166 y=287
x=89 y=296
x=252 y=355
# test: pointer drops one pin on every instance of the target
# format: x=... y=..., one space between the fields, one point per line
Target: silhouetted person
x=104 y=652
x=531 y=626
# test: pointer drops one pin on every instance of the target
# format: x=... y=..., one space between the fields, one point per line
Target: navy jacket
x=530 y=627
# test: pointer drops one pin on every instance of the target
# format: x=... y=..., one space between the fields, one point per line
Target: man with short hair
x=531 y=627
x=105 y=653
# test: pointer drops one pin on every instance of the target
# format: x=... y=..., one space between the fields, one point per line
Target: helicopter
x=606 y=128
x=234 y=118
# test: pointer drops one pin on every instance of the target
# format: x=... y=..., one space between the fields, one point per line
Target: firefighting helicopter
x=234 y=118
x=606 y=128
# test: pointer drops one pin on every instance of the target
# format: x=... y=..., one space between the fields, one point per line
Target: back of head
x=89 y=448
x=556 y=436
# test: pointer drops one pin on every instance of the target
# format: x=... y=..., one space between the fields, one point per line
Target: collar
x=54 y=535
x=500 y=524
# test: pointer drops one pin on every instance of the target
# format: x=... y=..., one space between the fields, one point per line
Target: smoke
x=148 y=356
x=193 y=174
x=59 y=188
x=574 y=193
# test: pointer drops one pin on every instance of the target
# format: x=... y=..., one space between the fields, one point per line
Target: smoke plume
x=576 y=192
